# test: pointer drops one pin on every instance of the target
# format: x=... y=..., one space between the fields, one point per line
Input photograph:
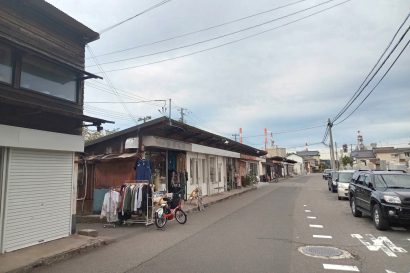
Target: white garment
x=139 y=199
x=110 y=205
x=135 y=205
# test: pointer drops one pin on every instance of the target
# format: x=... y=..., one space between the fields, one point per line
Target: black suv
x=384 y=195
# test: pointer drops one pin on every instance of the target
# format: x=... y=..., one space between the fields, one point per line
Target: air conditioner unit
x=132 y=143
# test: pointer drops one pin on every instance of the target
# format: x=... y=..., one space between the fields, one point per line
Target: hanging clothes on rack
x=142 y=169
x=110 y=206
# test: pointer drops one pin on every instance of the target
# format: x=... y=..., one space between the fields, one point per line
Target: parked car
x=326 y=173
x=343 y=181
x=384 y=195
x=331 y=181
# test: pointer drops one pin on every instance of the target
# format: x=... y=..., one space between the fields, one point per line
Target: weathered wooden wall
x=28 y=28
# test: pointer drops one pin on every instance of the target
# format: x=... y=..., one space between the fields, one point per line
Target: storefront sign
x=152 y=141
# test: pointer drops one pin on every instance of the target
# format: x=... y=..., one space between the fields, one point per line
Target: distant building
x=298 y=167
x=311 y=160
x=363 y=159
x=391 y=158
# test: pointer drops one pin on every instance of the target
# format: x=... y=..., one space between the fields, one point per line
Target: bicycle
x=196 y=194
x=170 y=210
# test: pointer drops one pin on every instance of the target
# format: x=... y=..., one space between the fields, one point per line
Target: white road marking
x=323 y=236
x=341 y=267
x=307 y=210
x=380 y=243
x=314 y=217
x=316 y=226
x=389 y=271
x=304 y=205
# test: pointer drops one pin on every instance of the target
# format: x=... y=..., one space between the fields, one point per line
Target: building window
x=6 y=66
x=48 y=78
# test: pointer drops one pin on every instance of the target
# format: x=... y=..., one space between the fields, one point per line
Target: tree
x=90 y=135
x=347 y=160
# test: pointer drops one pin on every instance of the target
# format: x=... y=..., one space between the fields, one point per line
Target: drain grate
x=325 y=252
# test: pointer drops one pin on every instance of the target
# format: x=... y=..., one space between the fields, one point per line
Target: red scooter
x=170 y=210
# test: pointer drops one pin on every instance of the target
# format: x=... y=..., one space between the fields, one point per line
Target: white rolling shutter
x=38 y=197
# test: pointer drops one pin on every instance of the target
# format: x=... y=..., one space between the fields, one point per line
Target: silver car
x=343 y=179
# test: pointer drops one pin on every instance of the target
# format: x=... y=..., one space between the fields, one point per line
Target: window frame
x=13 y=64
x=77 y=80
x=18 y=53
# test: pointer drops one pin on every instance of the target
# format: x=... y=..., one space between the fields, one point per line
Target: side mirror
x=371 y=185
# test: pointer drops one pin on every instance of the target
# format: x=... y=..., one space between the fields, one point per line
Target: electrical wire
x=107 y=79
x=216 y=37
x=200 y=30
x=122 y=93
x=371 y=91
x=228 y=43
x=287 y=131
x=358 y=92
x=132 y=17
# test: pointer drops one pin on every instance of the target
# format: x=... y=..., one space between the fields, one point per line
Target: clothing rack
x=148 y=218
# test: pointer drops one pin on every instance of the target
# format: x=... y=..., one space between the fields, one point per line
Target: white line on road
x=307 y=210
x=323 y=236
x=304 y=205
x=316 y=226
x=311 y=217
x=341 y=267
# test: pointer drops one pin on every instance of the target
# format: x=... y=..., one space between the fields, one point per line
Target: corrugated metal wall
x=113 y=173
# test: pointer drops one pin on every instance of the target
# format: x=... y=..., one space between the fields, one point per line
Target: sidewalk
x=44 y=254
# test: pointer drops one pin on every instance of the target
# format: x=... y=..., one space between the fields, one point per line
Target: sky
x=294 y=75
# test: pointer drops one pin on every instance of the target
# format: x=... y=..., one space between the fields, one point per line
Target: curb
x=222 y=199
x=91 y=244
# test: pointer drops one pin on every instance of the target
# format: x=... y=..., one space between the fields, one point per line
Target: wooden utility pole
x=332 y=154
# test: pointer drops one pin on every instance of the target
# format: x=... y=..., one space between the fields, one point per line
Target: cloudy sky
x=294 y=75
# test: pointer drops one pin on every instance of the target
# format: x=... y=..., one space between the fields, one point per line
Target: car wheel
x=339 y=198
x=379 y=220
x=355 y=212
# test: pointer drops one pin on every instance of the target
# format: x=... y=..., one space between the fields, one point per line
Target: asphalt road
x=259 y=231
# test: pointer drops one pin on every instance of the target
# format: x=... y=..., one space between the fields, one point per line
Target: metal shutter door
x=38 y=198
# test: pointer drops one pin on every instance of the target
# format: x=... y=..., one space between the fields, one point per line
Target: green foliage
x=90 y=135
x=346 y=160
x=249 y=180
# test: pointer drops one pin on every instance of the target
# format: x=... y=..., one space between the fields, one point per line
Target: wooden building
x=41 y=118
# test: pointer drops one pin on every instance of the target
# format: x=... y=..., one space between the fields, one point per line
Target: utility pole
x=235 y=136
x=240 y=135
x=337 y=157
x=181 y=110
x=144 y=118
x=332 y=154
x=169 y=111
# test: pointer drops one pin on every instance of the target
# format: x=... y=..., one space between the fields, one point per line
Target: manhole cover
x=324 y=252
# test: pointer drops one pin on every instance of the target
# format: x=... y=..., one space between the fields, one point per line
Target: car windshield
x=345 y=177
x=393 y=180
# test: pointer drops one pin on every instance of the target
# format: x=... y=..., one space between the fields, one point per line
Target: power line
x=288 y=131
x=359 y=90
x=216 y=37
x=228 y=43
x=107 y=79
x=132 y=17
x=200 y=30
x=371 y=91
x=103 y=88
